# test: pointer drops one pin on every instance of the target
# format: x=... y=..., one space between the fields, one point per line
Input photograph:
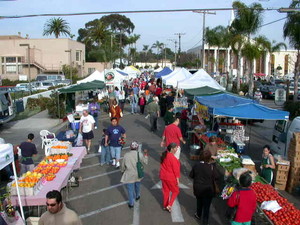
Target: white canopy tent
x=132 y=71
x=96 y=75
x=114 y=78
x=176 y=76
x=6 y=158
x=199 y=79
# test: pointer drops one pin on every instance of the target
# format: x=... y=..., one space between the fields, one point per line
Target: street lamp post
x=71 y=72
x=203 y=35
x=29 y=74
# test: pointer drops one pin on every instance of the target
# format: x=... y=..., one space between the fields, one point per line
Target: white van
x=44 y=85
x=282 y=134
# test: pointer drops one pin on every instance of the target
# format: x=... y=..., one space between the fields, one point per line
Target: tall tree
x=158 y=46
x=247 y=22
x=291 y=30
x=57 y=26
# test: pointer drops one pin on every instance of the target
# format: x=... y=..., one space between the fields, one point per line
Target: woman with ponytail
x=169 y=175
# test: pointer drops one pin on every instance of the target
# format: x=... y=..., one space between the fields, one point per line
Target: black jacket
x=203 y=175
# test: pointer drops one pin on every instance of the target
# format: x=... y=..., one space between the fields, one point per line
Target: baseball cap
x=134 y=145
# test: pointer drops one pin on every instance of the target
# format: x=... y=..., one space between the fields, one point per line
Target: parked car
x=48 y=77
x=22 y=87
x=268 y=91
x=44 y=85
x=65 y=82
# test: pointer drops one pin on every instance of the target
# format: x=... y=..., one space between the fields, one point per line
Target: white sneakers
x=96 y=128
x=113 y=162
x=117 y=164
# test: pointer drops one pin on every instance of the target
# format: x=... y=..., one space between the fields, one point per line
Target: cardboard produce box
x=280 y=186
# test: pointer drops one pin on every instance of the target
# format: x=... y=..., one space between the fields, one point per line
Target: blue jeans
x=115 y=152
x=105 y=155
x=134 y=191
x=96 y=121
x=134 y=107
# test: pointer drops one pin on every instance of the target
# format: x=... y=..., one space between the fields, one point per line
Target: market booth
x=176 y=76
x=165 y=71
x=231 y=160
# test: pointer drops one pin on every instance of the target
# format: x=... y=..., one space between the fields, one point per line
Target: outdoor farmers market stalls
x=202 y=91
x=176 y=76
x=114 y=78
x=131 y=71
x=199 y=79
x=163 y=72
x=96 y=75
x=92 y=85
x=6 y=158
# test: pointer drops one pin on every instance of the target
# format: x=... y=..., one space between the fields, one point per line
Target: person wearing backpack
x=130 y=175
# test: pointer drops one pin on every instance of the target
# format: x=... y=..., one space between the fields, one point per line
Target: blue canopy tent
x=123 y=73
x=252 y=111
x=164 y=72
x=238 y=107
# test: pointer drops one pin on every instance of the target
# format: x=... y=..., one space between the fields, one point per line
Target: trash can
x=20 y=106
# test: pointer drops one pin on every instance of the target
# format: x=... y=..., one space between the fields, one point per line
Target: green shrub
x=293 y=108
x=33 y=103
x=53 y=106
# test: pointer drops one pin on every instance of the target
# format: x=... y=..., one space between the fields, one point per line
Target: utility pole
x=203 y=35
x=175 y=42
x=179 y=49
x=28 y=60
x=71 y=72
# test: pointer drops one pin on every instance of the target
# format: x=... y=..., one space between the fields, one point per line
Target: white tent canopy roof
x=132 y=71
x=96 y=75
x=199 y=79
x=176 y=76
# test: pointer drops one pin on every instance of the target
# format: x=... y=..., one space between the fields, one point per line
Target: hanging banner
x=202 y=110
x=6 y=155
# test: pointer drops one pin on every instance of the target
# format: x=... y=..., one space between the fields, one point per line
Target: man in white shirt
x=87 y=123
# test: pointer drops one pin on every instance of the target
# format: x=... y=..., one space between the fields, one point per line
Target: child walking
x=105 y=152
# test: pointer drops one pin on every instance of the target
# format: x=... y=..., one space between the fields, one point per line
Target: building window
x=11 y=59
x=78 y=54
x=11 y=69
x=91 y=70
x=286 y=64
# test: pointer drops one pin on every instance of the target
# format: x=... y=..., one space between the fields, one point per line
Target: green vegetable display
x=233 y=164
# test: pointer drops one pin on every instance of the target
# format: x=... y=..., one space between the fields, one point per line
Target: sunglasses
x=52 y=205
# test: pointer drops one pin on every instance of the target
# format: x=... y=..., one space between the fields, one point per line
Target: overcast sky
x=151 y=26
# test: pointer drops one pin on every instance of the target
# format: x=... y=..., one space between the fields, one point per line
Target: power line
x=272 y=22
x=124 y=12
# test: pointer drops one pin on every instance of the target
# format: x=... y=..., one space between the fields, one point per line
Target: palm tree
x=237 y=43
x=291 y=30
x=99 y=33
x=145 y=50
x=158 y=45
x=251 y=51
x=56 y=26
x=210 y=38
x=247 y=21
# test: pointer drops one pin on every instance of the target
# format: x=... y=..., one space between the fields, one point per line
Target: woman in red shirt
x=169 y=175
x=245 y=200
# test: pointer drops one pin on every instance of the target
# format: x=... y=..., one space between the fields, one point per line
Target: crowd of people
x=147 y=97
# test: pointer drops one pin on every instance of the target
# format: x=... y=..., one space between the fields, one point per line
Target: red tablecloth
x=60 y=181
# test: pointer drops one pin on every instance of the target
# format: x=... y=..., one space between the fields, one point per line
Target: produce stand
x=60 y=181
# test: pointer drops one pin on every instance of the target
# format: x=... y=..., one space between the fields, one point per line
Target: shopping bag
x=99 y=149
x=79 y=140
x=139 y=167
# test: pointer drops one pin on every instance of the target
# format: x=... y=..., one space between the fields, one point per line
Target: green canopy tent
x=70 y=91
x=92 y=85
x=202 y=91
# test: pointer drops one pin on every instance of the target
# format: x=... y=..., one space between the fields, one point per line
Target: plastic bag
x=99 y=149
x=79 y=140
x=271 y=206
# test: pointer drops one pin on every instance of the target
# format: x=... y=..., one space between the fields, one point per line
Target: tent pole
x=18 y=191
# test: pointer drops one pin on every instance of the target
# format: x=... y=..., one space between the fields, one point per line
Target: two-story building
x=20 y=55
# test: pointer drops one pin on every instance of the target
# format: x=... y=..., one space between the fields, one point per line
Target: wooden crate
x=292 y=154
x=283 y=167
x=250 y=167
x=296 y=135
x=295 y=163
x=280 y=186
